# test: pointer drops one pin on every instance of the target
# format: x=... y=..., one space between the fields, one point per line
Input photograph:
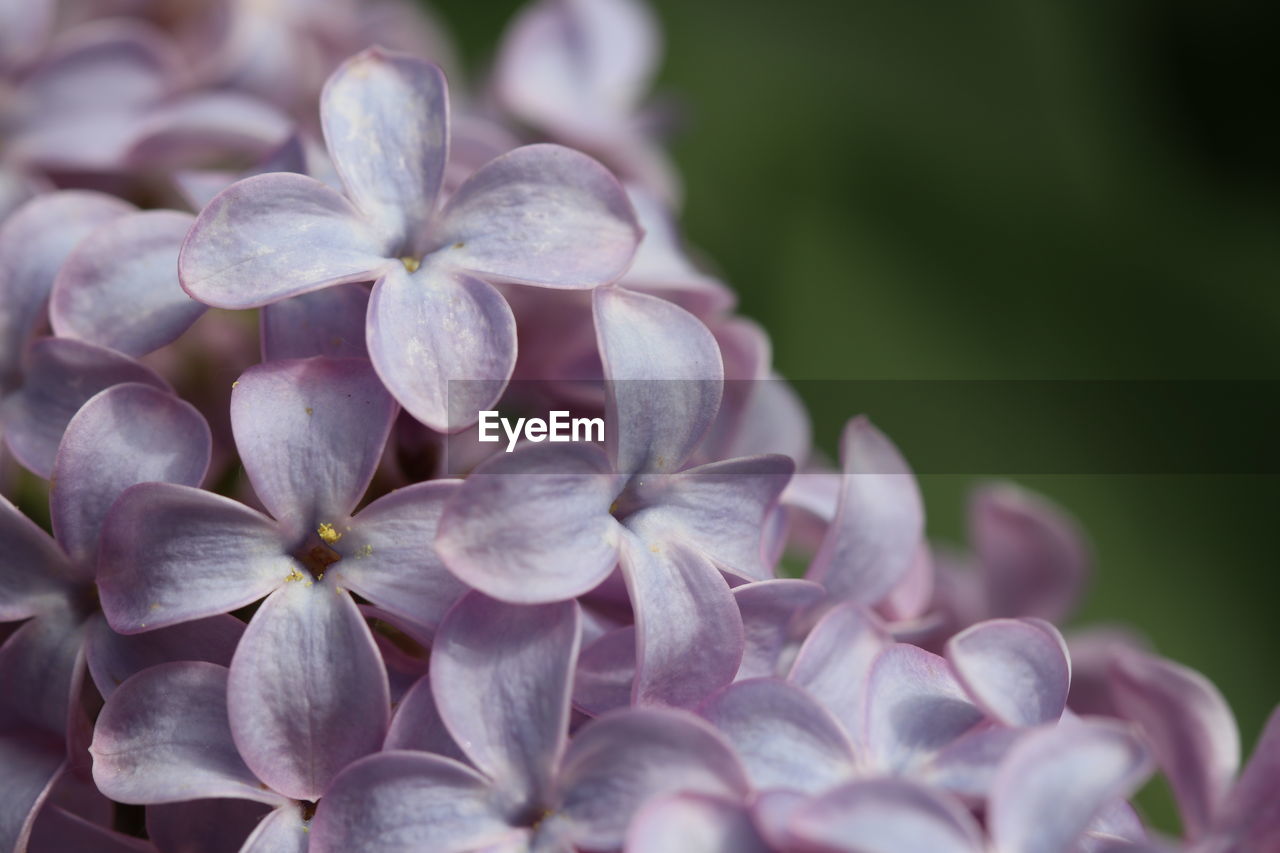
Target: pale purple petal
x=967 y=765
x=664 y=378
x=1032 y=555
x=171 y=554
x=693 y=823
x=879 y=523
x=42 y=669
x=125 y=435
x=163 y=737
x=1016 y=671
x=1192 y=733
x=119 y=287
x=386 y=123
x=407 y=802
x=310 y=433
x=689 y=636
x=24 y=26
x=540 y=214
x=784 y=738
x=1057 y=779
x=388 y=554
x=834 y=664
x=885 y=816
x=326 y=322
x=443 y=342
x=281 y=831
x=416 y=724
x=203 y=826
x=1093 y=650
x=34 y=575
x=57 y=830
x=774 y=616
x=113 y=657
x=614 y=764
x=606 y=672
x=32 y=762
x=62 y=374
x=533 y=525
x=273 y=236
x=1250 y=817
x=307 y=693
x=206 y=126
x=914 y=593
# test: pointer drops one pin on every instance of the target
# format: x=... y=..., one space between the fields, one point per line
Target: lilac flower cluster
x=266 y=616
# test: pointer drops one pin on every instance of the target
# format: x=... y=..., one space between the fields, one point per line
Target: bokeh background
x=1011 y=189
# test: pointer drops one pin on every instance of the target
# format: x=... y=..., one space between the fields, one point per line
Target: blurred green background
x=1014 y=189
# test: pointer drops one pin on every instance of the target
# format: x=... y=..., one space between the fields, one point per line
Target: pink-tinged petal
x=119 y=287
x=443 y=342
x=1117 y=827
x=617 y=763
x=914 y=707
x=163 y=737
x=269 y=237
x=125 y=435
x=772 y=419
x=771 y=813
x=719 y=510
x=1057 y=779
x=206 y=127
x=967 y=766
x=1250 y=817
x=664 y=378
x=1190 y=727
x=308 y=693
x=1093 y=650
x=406 y=802
x=171 y=554
x=327 y=322
x=24 y=26
x=389 y=556
x=57 y=829
x=1016 y=671
x=834 y=664
x=501 y=674
x=885 y=816
x=783 y=737
x=34 y=575
x=879 y=523
x=606 y=672
x=914 y=593
x=693 y=823
x=42 y=669
x=62 y=374
x=1031 y=553
x=417 y=725
x=113 y=657
x=32 y=761
x=774 y=615
x=689 y=635
x=203 y=826
x=540 y=214
x=402 y=103
x=310 y=433
x=281 y=831
x=34 y=241
x=534 y=525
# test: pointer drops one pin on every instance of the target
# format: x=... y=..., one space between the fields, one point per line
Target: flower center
x=315 y=553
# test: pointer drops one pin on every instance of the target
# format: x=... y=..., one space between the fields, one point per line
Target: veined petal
x=171 y=554
x=885 y=816
x=693 y=823
x=310 y=433
x=113 y=657
x=541 y=214
x=307 y=693
x=443 y=342
x=1017 y=671
x=34 y=573
x=501 y=674
x=416 y=724
x=269 y=237
x=534 y=525
x=664 y=378
x=119 y=287
x=834 y=664
x=163 y=737
x=406 y=802
x=879 y=522
x=327 y=322
x=620 y=761
x=62 y=374
x=773 y=616
x=606 y=672
x=784 y=738
x=125 y=435
x=386 y=122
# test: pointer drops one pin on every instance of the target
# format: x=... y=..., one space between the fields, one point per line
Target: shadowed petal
x=1250 y=817
x=32 y=761
x=606 y=672
x=402 y=104
x=281 y=831
x=58 y=829
x=1193 y=735
x=834 y=664
x=203 y=826
x=693 y=823
x=310 y=433
x=406 y=802
x=273 y=236
x=308 y=693
x=163 y=737
x=113 y=657
x=879 y=523
x=885 y=816
x=1016 y=671
x=443 y=342
x=664 y=378
x=616 y=763
x=541 y=214
x=42 y=668
x=125 y=435
x=34 y=574
x=534 y=525
x=416 y=724
x=324 y=322
x=773 y=617
x=967 y=765
x=171 y=554
x=119 y=286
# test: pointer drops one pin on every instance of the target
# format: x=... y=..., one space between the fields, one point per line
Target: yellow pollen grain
x=310 y=410
x=411 y=264
x=365 y=551
x=459 y=245
x=294 y=575
x=328 y=534
x=235 y=384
